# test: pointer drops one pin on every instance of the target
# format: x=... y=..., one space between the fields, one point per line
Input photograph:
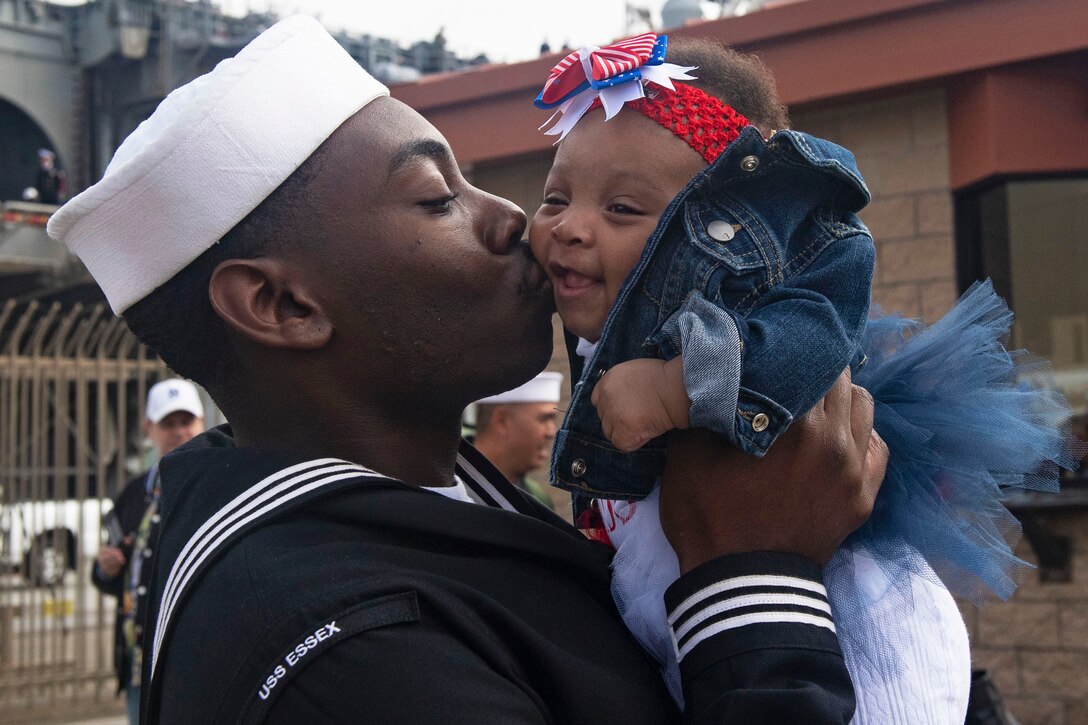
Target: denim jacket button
x=749 y=163
x=760 y=421
x=720 y=231
x=578 y=468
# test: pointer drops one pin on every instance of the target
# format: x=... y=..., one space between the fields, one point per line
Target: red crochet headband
x=701 y=120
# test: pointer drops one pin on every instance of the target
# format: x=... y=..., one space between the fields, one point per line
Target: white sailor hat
x=210 y=153
x=544 y=388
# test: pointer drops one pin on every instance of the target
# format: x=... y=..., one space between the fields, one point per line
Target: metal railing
x=72 y=385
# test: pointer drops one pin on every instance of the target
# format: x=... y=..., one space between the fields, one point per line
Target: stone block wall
x=901 y=144
x=1035 y=645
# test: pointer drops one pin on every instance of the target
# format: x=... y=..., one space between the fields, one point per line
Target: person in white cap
x=173 y=416
x=335 y=554
x=515 y=430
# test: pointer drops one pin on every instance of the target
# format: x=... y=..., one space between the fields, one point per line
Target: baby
x=750 y=296
x=711 y=267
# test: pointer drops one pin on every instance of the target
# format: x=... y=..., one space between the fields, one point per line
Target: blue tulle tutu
x=963 y=430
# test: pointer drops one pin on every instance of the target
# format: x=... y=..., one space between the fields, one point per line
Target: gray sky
x=506 y=31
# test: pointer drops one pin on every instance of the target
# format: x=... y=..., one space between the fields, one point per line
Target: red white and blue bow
x=615 y=74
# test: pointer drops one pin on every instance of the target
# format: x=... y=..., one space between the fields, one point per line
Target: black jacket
x=288 y=590
x=129 y=507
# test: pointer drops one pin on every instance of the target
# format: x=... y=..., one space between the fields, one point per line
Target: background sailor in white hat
x=516 y=429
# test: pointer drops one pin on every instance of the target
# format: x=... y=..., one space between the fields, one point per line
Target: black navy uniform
x=294 y=590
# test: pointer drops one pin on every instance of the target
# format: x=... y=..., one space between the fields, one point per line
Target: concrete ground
x=111 y=712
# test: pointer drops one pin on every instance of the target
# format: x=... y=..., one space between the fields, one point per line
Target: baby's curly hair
x=737 y=79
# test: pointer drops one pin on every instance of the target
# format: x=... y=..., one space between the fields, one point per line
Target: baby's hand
x=639 y=400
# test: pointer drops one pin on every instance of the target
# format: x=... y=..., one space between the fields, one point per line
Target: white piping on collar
x=484 y=488
x=267 y=494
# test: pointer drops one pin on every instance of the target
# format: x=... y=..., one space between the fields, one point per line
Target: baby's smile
x=570 y=284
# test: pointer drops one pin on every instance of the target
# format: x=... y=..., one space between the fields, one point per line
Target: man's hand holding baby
x=815 y=485
x=638 y=400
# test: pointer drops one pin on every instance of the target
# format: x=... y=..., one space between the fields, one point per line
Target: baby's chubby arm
x=638 y=400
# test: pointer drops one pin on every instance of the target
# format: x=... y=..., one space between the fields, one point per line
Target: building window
x=1031 y=238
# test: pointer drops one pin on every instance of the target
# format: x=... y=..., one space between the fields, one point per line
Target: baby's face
x=608 y=186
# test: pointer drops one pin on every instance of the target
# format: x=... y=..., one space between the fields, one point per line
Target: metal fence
x=72 y=384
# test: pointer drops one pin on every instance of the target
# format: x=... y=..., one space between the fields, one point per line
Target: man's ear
x=500 y=418
x=266 y=301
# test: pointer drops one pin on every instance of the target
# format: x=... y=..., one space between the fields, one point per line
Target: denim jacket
x=760 y=273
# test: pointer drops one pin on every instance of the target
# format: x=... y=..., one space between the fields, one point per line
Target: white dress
x=924 y=678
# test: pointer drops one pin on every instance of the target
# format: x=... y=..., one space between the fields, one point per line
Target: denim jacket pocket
x=724 y=236
x=824 y=230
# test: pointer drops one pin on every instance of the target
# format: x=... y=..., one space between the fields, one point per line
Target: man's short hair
x=485 y=412
x=177 y=320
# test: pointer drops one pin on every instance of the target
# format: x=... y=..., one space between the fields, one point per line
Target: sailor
x=516 y=428
x=333 y=555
